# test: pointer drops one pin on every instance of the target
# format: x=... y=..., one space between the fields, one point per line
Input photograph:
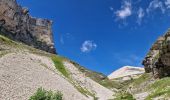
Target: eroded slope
x=24 y=69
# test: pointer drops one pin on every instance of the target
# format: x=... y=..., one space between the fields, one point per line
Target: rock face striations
x=157 y=60
x=17 y=24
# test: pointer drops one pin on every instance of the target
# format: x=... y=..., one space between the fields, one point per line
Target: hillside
x=25 y=69
x=31 y=68
x=144 y=88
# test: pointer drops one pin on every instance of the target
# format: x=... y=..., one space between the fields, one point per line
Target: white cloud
x=126 y=10
x=88 y=46
x=129 y=9
x=141 y=14
x=156 y=4
x=167 y=3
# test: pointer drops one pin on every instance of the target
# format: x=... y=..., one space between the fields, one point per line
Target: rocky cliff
x=157 y=60
x=17 y=24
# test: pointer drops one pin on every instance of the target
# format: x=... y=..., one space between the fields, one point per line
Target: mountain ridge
x=126 y=71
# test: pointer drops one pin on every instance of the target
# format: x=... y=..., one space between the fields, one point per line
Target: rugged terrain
x=24 y=69
x=154 y=84
x=17 y=24
x=28 y=61
x=157 y=60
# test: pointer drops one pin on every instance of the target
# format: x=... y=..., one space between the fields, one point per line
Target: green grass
x=145 y=77
x=59 y=65
x=159 y=92
x=21 y=46
x=42 y=94
x=159 y=88
x=84 y=91
x=162 y=83
x=125 y=84
x=124 y=96
x=58 y=62
x=110 y=84
x=5 y=40
x=140 y=84
x=3 y=53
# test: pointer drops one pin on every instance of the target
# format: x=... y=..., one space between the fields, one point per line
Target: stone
x=157 y=61
x=17 y=24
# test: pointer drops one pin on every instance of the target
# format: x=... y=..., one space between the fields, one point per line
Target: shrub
x=42 y=94
x=124 y=96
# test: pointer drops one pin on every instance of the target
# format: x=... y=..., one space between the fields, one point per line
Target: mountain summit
x=126 y=71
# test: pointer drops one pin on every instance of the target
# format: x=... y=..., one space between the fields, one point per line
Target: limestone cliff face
x=157 y=60
x=16 y=23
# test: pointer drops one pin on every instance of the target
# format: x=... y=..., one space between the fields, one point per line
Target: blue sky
x=104 y=35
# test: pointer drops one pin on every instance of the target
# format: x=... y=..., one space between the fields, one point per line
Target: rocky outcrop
x=17 y=24
x=157 y=60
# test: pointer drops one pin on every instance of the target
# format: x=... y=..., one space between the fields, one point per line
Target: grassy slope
x=59 y=65
x=135 y=86
x=157 y=88
x=122 y=95
x=160 y=88
x=141 y=80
